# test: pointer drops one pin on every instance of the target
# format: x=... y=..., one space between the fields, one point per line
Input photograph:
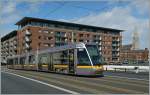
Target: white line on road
x=50 y=85
x=127 y=78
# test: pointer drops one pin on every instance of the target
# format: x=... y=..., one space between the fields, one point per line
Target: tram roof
x=56 y=49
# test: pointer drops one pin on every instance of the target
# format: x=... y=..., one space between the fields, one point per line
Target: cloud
x=9 y=19
x=119 y=18
x=141 y=5
x=9 y=12
x=9 y=8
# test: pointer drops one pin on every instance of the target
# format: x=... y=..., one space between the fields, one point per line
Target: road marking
x=127 y=77
x=50 y=85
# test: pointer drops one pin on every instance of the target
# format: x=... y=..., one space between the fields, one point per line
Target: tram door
x=71 y=62
x=40 y=64
x=22 y=62
x=50 y=64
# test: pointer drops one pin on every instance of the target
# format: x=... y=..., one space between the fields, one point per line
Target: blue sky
x=128 y=15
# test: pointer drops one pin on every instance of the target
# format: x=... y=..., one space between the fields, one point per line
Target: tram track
x=90 y=85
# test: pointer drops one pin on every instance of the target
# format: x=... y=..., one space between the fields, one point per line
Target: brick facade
x=34 y=33
x=130 y=55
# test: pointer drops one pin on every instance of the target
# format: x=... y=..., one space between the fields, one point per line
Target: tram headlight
x=99 y=68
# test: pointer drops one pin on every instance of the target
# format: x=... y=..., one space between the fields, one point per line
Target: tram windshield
x=94 y=54
x=83 y=58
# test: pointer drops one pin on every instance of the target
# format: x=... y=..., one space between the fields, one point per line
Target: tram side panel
x=10 y=63
x=32 y=62
x=84 y=66
x=43 y=61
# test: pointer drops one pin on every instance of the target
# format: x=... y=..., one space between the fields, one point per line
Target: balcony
x=115 y=49
x=15 y=42
x=27 y=46
x=27 y=39
x=66 y=40
x=115 y=55
x=115 y=44
x=118 y=39
x=15 y=47
x=61 y=34
x=97 y=38
x=100 y=48
x=96 y=42
x=28 y=33
x=100 y=44
x=100 y=38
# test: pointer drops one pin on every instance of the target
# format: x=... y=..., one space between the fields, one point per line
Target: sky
x=127 y=15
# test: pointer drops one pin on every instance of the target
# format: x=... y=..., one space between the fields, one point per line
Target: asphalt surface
x=12 y=84
x=83 y=85
x=138 y=76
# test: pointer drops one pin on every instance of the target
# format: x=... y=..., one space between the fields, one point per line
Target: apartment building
x=36 y=33
x=8 y=45
x=130 y=55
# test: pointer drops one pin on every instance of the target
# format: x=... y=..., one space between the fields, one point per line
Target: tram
x=75 y=58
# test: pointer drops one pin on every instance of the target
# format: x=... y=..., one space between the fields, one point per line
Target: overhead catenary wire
x=56 y=9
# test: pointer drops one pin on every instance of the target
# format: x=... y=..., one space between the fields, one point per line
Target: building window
x=88 y=35
x=39 y=37
x=49 y=38
x=39 y=44
x=80 y=40
x=45 y=31
x=80 y=35
x=46 y=44
x=75 y=40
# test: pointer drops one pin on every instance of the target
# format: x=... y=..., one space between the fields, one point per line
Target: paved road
x=12 y=84
x=82 y=85
x=138 y=76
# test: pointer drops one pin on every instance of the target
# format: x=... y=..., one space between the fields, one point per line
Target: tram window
x=94 y=54
x=32 y=59
x=7 y=61
x=83 y=58
x=10 y=61
x=16 y=60
x=64 y=58
x=61 y=57
x=43 y=60
x=22 y=60
x=57 y=58
x=71 y=55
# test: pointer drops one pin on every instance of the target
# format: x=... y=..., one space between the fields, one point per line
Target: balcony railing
x=116 y=49
x=27 y=39
x=61 y=34
x=100 y=43
x=27 y=32
x=115 y=44
x=27 y=45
